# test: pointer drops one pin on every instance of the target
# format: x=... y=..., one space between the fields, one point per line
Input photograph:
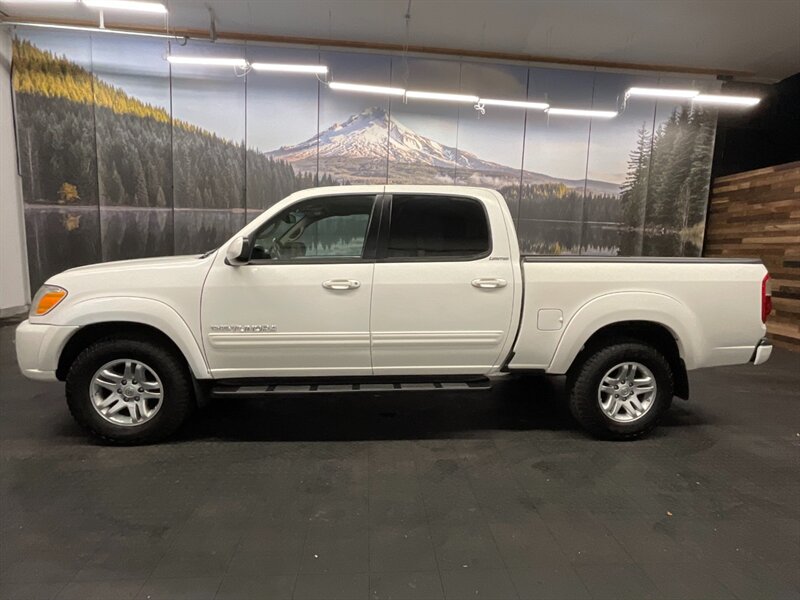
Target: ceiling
x=758 y=38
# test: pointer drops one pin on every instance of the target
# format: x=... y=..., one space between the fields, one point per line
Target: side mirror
x=238 y=252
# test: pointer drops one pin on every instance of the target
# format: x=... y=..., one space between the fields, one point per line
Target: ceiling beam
x=392 y=48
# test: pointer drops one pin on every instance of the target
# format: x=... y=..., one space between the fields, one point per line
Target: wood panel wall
x=757 y=214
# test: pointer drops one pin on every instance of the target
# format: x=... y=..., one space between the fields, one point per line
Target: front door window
x=333 y=227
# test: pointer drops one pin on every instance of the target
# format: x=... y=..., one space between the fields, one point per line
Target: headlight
x=46 y=299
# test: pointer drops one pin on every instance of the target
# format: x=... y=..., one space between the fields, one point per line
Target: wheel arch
x=89 y=334
x=106 y=317
x=648 y=332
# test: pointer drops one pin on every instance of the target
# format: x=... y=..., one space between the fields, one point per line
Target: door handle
x=487 y=283
x=341 y=284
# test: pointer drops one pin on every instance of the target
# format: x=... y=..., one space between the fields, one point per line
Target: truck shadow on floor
x=531 y=405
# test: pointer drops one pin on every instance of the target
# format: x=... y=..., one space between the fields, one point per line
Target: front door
x=301 y=306
x=443 y=293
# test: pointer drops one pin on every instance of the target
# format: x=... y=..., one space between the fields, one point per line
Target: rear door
x=442 y=295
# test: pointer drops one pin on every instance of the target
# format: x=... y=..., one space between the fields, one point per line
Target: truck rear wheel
x=621 y=391
x=129 y=391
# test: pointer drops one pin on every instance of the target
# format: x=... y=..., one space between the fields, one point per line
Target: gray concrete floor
x=484 y=495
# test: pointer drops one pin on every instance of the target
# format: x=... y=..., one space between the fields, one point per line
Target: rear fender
x=628 y=306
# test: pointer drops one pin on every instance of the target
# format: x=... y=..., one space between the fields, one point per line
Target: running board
x=250 y=391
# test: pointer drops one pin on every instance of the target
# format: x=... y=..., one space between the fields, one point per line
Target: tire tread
x=582 y=390
x=181 y=393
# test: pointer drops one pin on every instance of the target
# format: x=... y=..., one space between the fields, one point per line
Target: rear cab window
x=434 y=227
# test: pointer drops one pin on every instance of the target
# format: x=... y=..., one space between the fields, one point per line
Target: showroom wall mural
x=125 y=155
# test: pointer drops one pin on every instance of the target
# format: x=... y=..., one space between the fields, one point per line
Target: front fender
x=139 y=310
x=620 y=307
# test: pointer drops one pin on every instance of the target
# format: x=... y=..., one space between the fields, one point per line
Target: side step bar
x=251 y=391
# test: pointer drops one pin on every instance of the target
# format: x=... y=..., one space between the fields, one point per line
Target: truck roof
x=405 y=189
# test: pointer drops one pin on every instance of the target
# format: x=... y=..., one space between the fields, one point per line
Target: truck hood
x=163 y=278
x=174 y=281
x=138 y=264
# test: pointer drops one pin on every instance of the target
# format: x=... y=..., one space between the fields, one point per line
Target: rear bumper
x=762 y=352
x=39 y=347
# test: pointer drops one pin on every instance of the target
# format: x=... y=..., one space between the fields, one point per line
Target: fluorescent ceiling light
x=209 y=61
x=134 y=5
x=366 y=89
x=91 y=29
x=514 y=103
x=441 y=96
x=286 y=68
x=581 y=112
x=726 y=100
x=40 y=1
x=661 y=92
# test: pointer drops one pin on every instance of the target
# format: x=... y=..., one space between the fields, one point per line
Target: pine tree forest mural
x=123 y=155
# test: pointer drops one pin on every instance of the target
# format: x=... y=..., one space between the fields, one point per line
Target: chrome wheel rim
x=627 y=392
x=126 y=392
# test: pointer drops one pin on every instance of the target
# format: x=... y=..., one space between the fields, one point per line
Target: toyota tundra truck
x=386 y=288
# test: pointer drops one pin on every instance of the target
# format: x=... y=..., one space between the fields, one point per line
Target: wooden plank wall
x=757 y=214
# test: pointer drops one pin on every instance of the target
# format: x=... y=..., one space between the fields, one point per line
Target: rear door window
x=431 y=227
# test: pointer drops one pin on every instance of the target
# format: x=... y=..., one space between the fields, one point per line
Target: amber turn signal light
x=46 y=299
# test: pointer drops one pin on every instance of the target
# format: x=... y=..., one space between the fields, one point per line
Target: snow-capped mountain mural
x=175 y=159
x=356 y=151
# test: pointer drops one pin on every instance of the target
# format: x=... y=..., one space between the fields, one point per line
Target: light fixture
x=726 y=100
x=366 y=89
x=582 y=112
x=208 y=61
x=40 y=1
x=132 y=5
x=441 y=96
x=92 y=29
x=661 y=92
x=513 y=103
x=287 y=68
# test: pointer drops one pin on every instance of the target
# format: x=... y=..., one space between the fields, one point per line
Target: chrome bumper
x=762 y=352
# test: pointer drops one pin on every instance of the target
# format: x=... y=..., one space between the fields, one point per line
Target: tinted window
x=437 y=226
x=331 y=227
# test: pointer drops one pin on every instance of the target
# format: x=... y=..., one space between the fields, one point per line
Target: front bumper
x=762 y=352
x=39 y=347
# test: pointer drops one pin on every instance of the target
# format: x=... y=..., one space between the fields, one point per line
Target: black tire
x=584 y=381
x=178 y=395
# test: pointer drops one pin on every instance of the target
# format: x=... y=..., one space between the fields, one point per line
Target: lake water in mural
x=125 y=156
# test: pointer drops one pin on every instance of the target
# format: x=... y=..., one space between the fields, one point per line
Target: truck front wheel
x=621 y=391
x=129 y=391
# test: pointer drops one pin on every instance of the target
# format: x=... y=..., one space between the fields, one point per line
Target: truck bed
x=692 y=260
x=568 y=298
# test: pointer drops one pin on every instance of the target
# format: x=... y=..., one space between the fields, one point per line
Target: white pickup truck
x=380 y=288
